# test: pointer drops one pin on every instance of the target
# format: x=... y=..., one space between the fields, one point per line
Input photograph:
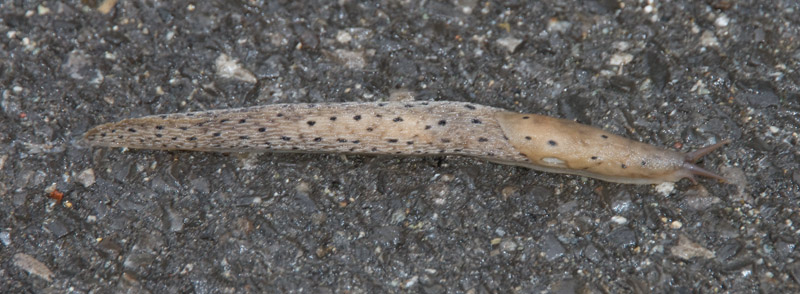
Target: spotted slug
x=411 y=128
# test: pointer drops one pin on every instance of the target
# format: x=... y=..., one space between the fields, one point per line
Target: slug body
x=410 y=128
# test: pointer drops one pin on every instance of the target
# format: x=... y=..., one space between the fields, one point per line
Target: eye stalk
x=692 y=158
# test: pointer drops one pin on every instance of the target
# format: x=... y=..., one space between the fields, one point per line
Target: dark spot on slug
x=333 y=118
x=159 y=135
x=216 y=134
x=295 y=148
x=476 y=121
x=355 y=141
x=428 y=127
x=482 y=139
x=369 y=129
x=102 y=134
x=311 y=123
x=489 y=154
x=192 y=138
x=604 y=136
x=424 y=103
x=285 y=138
x=381 y=104
x=132 y=130
x=594 y=157
x=357 y=117
x=528 y=138
x=261 y=130
x=318 y=139
x=468 y=106
x=445 y=140
x=352 y=149
x=374 y=149
x=159 y=127
x=624 y=166
x=224 y=120
x=173 y=138
x=442 y=122
x=408 y=105
x=526 y=117
x=244 y=137
x=190 y=114
x=397 y=119
x=342 y=140
x=392 y=140
x=163 y=117
x=241 y=121
x=120 y=137
x=410 y=143
x=456 y=150
x=644 y=163
x=379 y=115
x=184 y=128
x=552 y=143
x=441 y=150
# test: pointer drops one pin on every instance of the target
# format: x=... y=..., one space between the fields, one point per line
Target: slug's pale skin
x=412 y=128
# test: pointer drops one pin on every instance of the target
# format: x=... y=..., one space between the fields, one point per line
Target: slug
x=411 y=128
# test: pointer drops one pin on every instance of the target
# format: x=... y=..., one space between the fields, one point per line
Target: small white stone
x=675 y=225
x=86 y=177
x=620 y=59
x=722 y=21
x=665 y=188
x=619 y=219
x=43 y=10
x=228 y=67
x=343 y=37
x=708 y=39
x=5 y=238
x=510 y=43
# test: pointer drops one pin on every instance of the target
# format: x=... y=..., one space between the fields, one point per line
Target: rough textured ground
x=672 y=73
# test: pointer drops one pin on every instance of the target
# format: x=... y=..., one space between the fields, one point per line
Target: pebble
x=620 y=59
x=510 y=43
x=722 y=21
x=552 y=247
x=619 y=219
x=707 y=39
x=351 y=59
x=230 y=68
x=343 y=37
x=687 y=249
x=33 y=266
x=86 y=177
x=5 y=238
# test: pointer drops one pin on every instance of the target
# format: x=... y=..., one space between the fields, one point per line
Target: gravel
x=680 y=74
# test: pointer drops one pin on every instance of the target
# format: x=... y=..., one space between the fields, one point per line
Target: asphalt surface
x=680 y=74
